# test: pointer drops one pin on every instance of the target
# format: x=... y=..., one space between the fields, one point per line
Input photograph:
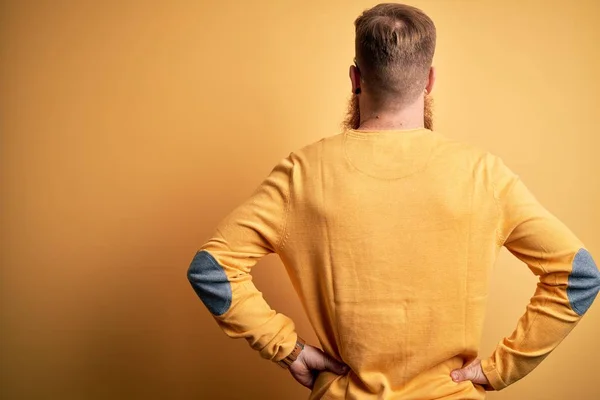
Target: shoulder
x=317 y=150
x=462 y=154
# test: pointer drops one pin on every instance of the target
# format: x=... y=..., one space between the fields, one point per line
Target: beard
x=428 y=112
x=352 y=120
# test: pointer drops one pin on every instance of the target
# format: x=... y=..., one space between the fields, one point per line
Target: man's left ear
x=355 y=79
x=431 y=80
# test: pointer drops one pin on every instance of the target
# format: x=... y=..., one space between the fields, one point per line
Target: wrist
x=293 y=356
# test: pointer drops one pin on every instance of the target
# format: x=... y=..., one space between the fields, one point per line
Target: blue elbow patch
x=584 y=282
x=210 y=282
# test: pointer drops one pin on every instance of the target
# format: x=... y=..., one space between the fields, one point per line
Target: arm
x=568 y=283
x=220 y=270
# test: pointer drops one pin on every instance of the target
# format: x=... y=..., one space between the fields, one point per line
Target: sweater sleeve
x=220 y=271
x=568 y=282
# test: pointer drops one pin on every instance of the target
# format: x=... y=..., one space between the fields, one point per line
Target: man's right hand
x=472 y=372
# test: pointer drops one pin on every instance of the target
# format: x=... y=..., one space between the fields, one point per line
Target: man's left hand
x=310 y=362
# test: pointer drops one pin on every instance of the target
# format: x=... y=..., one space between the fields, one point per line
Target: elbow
x=210 y=282
x=584 y=282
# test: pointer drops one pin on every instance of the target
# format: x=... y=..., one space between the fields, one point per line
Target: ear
x=431 y=80
x=354 y=74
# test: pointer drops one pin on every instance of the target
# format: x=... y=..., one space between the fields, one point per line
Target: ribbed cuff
x=285 y=349
x=492 y=374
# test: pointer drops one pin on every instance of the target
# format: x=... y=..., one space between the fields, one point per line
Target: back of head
x=395 y=44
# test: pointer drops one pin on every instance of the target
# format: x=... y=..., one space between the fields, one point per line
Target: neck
x=392 y=118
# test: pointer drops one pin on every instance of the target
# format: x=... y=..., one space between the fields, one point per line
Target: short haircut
x=394 y=44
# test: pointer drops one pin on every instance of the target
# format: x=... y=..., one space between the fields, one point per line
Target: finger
x=459 y=375
x=310 y=381
x=472 y=373
x=463 y=374
x=335 y=366
x=304 y=377
x=310 y=378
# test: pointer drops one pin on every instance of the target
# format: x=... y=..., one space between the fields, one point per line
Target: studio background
x=130 y=129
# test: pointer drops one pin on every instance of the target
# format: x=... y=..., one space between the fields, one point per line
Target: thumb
x=464 y=374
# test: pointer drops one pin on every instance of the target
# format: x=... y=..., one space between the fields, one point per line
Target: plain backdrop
x=129 y=129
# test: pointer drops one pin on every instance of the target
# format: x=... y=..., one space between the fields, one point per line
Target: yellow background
x=128 y=130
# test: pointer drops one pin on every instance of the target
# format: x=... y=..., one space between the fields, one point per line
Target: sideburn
x=428 y=112
x=352 y=120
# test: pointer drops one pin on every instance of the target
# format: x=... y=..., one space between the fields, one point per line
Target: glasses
x=356 y=64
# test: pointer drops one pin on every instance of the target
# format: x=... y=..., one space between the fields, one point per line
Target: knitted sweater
x=389 y=239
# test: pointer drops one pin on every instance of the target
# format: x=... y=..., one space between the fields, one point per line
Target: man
x=389 y=232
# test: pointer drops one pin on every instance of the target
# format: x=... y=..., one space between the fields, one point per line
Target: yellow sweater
x=389 y=239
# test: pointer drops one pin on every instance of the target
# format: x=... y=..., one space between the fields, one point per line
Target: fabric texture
x=389 y=239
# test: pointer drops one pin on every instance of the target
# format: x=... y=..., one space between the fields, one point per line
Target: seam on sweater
x=515 y=181
x=500 y=240
x=284 y=233
x=499 y=237
x=468 y=267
